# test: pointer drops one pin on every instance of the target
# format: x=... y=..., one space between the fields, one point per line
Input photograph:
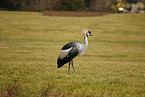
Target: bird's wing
x=64 y=53
x=67 y=46
x=70 y=50
x=73 y=52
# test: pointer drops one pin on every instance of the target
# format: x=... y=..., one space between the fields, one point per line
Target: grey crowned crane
x=71 y=50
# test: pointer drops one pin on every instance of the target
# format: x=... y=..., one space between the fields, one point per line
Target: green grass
x=113 y=65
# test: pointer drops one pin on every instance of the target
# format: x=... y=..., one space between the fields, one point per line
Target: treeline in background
x=65 y=5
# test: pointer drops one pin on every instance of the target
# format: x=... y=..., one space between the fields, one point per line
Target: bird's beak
x=90 y=35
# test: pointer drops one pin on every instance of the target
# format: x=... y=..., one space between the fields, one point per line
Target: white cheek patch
x=88 y=34
x=64 y=53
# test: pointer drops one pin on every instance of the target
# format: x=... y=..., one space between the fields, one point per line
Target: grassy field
x=112 y=66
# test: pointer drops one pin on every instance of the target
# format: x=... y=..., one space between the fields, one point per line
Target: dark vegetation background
x=62 y=5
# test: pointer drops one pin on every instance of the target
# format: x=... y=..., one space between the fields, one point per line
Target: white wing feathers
x=64 y=53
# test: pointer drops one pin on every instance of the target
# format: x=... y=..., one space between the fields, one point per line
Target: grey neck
x=85 y=40
x=84 y=45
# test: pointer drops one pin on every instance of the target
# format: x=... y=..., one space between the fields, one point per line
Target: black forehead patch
x=89 y=32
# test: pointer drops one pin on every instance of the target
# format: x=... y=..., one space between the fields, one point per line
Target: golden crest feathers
x=84 y=31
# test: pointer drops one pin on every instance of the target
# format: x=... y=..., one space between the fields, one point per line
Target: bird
x=71 y=50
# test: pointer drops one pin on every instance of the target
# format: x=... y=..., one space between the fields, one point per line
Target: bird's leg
x=73 y=66
x=69 y=66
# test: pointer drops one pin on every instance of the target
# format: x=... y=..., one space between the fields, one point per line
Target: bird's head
x=88 y=33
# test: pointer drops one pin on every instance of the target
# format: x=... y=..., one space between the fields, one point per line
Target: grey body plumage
x=71 y=50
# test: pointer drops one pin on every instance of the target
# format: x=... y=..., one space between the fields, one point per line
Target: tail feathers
x=61 y=62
